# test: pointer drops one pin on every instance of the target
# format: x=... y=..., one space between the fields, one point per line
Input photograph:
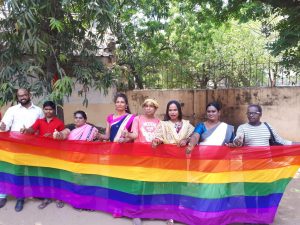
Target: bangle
x=190 y=144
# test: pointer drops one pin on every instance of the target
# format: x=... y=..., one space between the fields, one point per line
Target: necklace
x=178 y=126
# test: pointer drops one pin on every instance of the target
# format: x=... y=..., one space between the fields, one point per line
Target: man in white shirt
x=16 y=117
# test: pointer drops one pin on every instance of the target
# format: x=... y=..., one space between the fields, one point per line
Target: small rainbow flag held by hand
x=216 y=186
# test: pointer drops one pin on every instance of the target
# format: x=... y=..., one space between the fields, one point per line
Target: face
x=149 y=109
x=120 y=104
x=79 y=120
x=48 y=111
x=253 y=115
x=212 y=113
x=23 y=97
x=173 y=112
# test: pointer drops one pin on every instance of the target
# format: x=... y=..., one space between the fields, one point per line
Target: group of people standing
x=123 y=126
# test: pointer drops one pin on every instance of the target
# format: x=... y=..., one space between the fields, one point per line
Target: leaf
x=56 y=24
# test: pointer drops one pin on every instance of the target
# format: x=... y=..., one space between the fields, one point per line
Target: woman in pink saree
x=79 y=131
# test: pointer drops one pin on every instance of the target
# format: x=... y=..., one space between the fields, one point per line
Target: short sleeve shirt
x=145 y=128
x=16 y=117
x=44 y=127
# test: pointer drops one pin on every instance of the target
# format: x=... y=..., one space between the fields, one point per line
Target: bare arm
x=61 y=135
x=105 y=136
x=128 y=135
x=193 y=142
x=29 y=130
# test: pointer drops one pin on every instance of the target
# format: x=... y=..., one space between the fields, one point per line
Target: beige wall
x=281 y=106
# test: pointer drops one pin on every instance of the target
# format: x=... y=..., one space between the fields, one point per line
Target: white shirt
x=258 y=135
x=16 y=117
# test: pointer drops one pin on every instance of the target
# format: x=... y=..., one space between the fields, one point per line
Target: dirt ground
x=288 y=213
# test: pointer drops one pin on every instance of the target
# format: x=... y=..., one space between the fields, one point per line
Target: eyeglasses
x=76 y=117
x=252 y=113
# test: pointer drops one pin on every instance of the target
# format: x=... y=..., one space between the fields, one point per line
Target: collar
x=53 y=118
x=32 y=106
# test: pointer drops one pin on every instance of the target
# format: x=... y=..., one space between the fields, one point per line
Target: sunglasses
x=77 y=117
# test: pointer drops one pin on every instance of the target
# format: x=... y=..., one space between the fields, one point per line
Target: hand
x=56 y=134
x=23 y=130
x=237 y=142
x=125 y=133
x=182 y=143
x=2 y=126
x=155 y=142
x=189 y=149
x=47 y=135
x=122 y=139
x=231 y=145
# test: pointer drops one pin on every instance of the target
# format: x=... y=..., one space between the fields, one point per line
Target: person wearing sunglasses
x=79 y=131
x=255 y=132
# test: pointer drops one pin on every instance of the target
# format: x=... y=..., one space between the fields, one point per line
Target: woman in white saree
x=212 y=131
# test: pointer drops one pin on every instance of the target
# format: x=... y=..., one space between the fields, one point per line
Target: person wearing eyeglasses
x=255 y=132
x=79 y=131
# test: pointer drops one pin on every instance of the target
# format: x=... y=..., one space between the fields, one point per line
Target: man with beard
x=22 y=115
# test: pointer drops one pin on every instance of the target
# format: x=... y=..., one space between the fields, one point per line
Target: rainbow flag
x=215 y=186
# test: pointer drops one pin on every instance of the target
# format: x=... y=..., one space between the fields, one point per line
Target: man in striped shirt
x=256 y=133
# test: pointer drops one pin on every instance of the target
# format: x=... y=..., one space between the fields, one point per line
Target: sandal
x=60 y=204
x=44 y=203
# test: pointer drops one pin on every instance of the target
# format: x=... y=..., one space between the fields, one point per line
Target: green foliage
x=62 y=87
x=56 y=24
x=181 y=51
x=159 y=43
x=42 y=39
x=285 y=12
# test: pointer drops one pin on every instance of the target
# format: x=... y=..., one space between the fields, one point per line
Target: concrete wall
x=281 y=106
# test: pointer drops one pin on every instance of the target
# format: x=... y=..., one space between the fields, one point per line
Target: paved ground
x=288 y=213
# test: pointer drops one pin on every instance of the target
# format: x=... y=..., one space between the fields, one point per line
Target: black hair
x=167 y=117
x=217 y=105
x=258 y=107
x=49 y=103
x=122 y=95
x=82 y=113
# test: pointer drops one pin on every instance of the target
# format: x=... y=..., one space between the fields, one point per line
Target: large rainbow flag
x=216 y=186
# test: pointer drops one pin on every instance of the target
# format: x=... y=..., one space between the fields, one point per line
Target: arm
x=105 y=136
x=135 y=128
x=193 y=142
x=238 y=141
x=158 y=136
x=7 y=120
x=29 y=130
x=280 y=139
x=61 y=135
x=186 y=140
x=32 y=129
